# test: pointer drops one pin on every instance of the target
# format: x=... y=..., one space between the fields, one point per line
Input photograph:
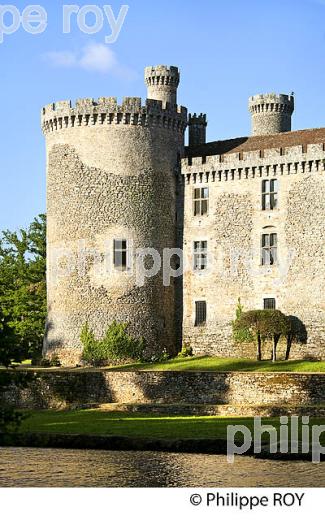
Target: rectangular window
x=269 y=303
x=200 y=201
x=200 y=313
x=200 y=255
x=269 y=249
x=269 y=194
x=121 y=254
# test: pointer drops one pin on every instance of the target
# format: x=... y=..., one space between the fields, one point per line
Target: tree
x=22 y=306
x=265 y=324
x=276 y=325
x=252 y=321
x=9 y=417
x=298 y=333
x=23 y=290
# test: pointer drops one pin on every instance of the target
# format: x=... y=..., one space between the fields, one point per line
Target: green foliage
x=22 y=305
x=264 y=324
x=10 y=419
x=115 y=346
x=276 y=323
x=53 y=361
x=241 y=333
x=160 y=357
x=186 y=351
x=87 y=338
x=9 y=349
x=23 y=291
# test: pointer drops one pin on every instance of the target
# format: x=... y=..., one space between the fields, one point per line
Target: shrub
x=87 y=339
x=115 y=346
x=159 y=357
x=53 y=361
x=241 y=333
x=186 y=351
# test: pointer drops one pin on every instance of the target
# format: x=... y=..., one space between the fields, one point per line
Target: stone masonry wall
x=66 y=388
x=109 y=178
x=233 y=229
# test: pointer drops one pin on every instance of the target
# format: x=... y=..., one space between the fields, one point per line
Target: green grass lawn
x=213 y=364
x=228 y=364
x=138 y=424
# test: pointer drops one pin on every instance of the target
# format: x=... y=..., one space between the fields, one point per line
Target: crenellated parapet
x=162 y=82
x=107 y=111
x=271 y=113
x=252 y=164
x=197 y=119
x=271 y=103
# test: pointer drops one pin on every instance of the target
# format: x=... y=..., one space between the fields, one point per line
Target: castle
x=247 y=214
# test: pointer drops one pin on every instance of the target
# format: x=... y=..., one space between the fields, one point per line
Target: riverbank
x=100 y=430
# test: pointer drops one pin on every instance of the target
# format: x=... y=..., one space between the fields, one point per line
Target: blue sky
x=227 y=50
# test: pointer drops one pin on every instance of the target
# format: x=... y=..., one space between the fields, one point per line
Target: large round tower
x=110 y=195
x=271 y=113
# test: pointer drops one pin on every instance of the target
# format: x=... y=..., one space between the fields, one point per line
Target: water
x=33 y=467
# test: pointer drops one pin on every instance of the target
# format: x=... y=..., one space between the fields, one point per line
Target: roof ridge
x=259 y=142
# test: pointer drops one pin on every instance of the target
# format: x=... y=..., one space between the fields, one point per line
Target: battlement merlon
x=197 y=119
x=106 y=110
x=162 y=82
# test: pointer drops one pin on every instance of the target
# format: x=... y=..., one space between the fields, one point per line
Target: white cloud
x=98 y=57
x=62 y=59
x=95 y=57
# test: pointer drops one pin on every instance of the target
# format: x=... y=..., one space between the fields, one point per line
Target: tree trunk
x=259 y=347
x=276 y=338
x=289 y=343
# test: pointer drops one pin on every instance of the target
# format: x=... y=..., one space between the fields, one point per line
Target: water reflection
x=21 y=467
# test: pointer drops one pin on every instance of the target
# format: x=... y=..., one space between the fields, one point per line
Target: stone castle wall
x=59 y=389
x=115 y=172
x=111 y=174
x=233 y=229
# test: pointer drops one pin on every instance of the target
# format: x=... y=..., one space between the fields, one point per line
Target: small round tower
x=162 y=83
x=111 y=195
x=271 y=113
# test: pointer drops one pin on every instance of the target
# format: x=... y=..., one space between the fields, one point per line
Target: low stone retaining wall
x=64 y=388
